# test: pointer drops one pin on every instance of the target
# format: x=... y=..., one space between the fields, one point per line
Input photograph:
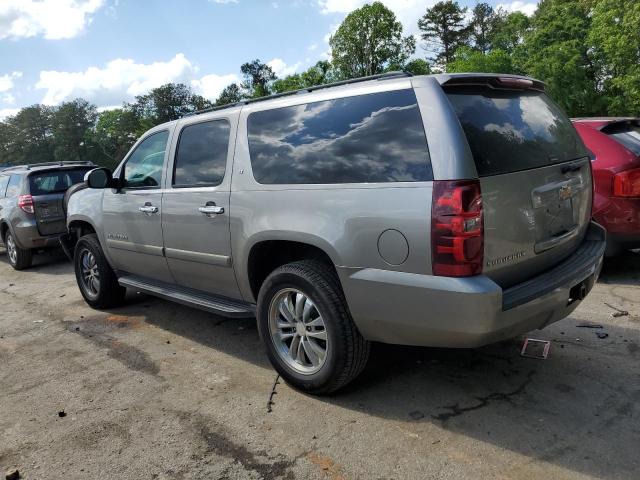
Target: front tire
x=307 y=330
x=19 y=258
x=96 y=279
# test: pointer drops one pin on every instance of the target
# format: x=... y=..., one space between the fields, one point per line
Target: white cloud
x=8 y=112
x=121 y=79
x=210 y=86
x=7 y=81
x=528 y=8
x=281 y=69
x=53 y=19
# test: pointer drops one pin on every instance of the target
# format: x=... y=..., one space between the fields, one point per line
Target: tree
x=509 y=30
x=470 y=60
x=418 y=66
x=31 y=136
x=257 y=78
x=481 y=27
x=615 y=36
x=368 y=41
x=115 y=132
x=556 y=51
x=319 y=74
x=168 y=102
x=72 y=123
x=443 y=30
x=231 y=94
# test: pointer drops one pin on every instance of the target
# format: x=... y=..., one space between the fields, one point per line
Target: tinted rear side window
x=628 y=134
x=46 y=183
x=201 y=158
x=511 y=131
x=364 y=139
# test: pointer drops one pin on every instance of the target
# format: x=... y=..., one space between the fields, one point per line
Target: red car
x=615 y=143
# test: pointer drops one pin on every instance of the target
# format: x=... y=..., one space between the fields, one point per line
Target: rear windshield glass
x=628 y=134
x=511 y=131
x=58 y=181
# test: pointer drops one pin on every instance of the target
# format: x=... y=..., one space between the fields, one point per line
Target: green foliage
x=482 y=26
x=258 y=77
x=115 y=132
x=231 y=94
x=368 y=41
x=615 y=36
x=168 y=102
x=319 y=74
x=29 y=136
x=509 y=30
x=556 y=51
x=470 y=60
x=444 y=31
x=71 y=122
x=418 y=66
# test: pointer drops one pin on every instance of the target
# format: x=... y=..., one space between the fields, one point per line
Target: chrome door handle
x=148 y=209
x=211 y=210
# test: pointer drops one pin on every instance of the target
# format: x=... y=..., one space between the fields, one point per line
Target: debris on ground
x=62 y=414
x=12 y=474
x=533 y=348
x=589 y=325
x=270 y=402
x=602 y=335
x=618 y=312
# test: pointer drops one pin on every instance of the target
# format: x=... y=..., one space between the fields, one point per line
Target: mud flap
x=68 y=243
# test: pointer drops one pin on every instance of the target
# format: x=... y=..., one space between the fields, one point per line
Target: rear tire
x=302 y=313
x=96 y=279
x=19 y=258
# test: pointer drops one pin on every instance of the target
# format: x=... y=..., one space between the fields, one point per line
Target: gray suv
x=445 y=210
x=31 y=213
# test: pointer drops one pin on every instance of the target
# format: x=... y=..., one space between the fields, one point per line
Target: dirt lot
x=160 y=391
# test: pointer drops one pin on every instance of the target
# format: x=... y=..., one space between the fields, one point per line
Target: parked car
x=615 y=143
x=31 y=216
x=445 y=210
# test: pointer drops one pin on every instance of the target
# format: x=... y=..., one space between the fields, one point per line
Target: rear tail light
x=457 y=230
x=25 y=202
x=627 y=183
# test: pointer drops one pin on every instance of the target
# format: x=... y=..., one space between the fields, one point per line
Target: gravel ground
x=155 y=390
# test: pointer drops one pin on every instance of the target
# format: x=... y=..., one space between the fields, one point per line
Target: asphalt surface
x=155 y=390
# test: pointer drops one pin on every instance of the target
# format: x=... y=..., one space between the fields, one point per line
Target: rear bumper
x=413 y=309
x=27 y=235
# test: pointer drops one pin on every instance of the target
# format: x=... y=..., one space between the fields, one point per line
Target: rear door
x=195 y=206
x=535 y=177
x=47 y=188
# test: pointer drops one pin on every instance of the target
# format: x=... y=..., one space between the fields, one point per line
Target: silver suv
x=31 y=213
x=445 y=210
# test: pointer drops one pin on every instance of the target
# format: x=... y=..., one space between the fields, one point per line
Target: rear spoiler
x=493 y=81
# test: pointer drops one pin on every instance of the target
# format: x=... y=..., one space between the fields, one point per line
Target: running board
x=203 y=301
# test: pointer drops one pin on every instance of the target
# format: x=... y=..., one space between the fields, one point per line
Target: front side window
x=201 y=157
x=144 y=166
x=13 y=188
x=4 y=181
x=364 y=139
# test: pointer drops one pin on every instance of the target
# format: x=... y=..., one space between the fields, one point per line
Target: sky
x=109 y=51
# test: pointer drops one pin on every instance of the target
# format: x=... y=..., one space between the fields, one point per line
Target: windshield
x=509 y=131
x=57 y=181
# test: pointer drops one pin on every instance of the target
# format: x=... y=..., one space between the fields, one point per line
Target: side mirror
x=99 y=178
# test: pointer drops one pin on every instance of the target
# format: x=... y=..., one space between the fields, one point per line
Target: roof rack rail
x=380 y=76
x=46 y=164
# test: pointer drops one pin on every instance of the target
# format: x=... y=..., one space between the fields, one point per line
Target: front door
x=132 y=215
x=195 y=208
